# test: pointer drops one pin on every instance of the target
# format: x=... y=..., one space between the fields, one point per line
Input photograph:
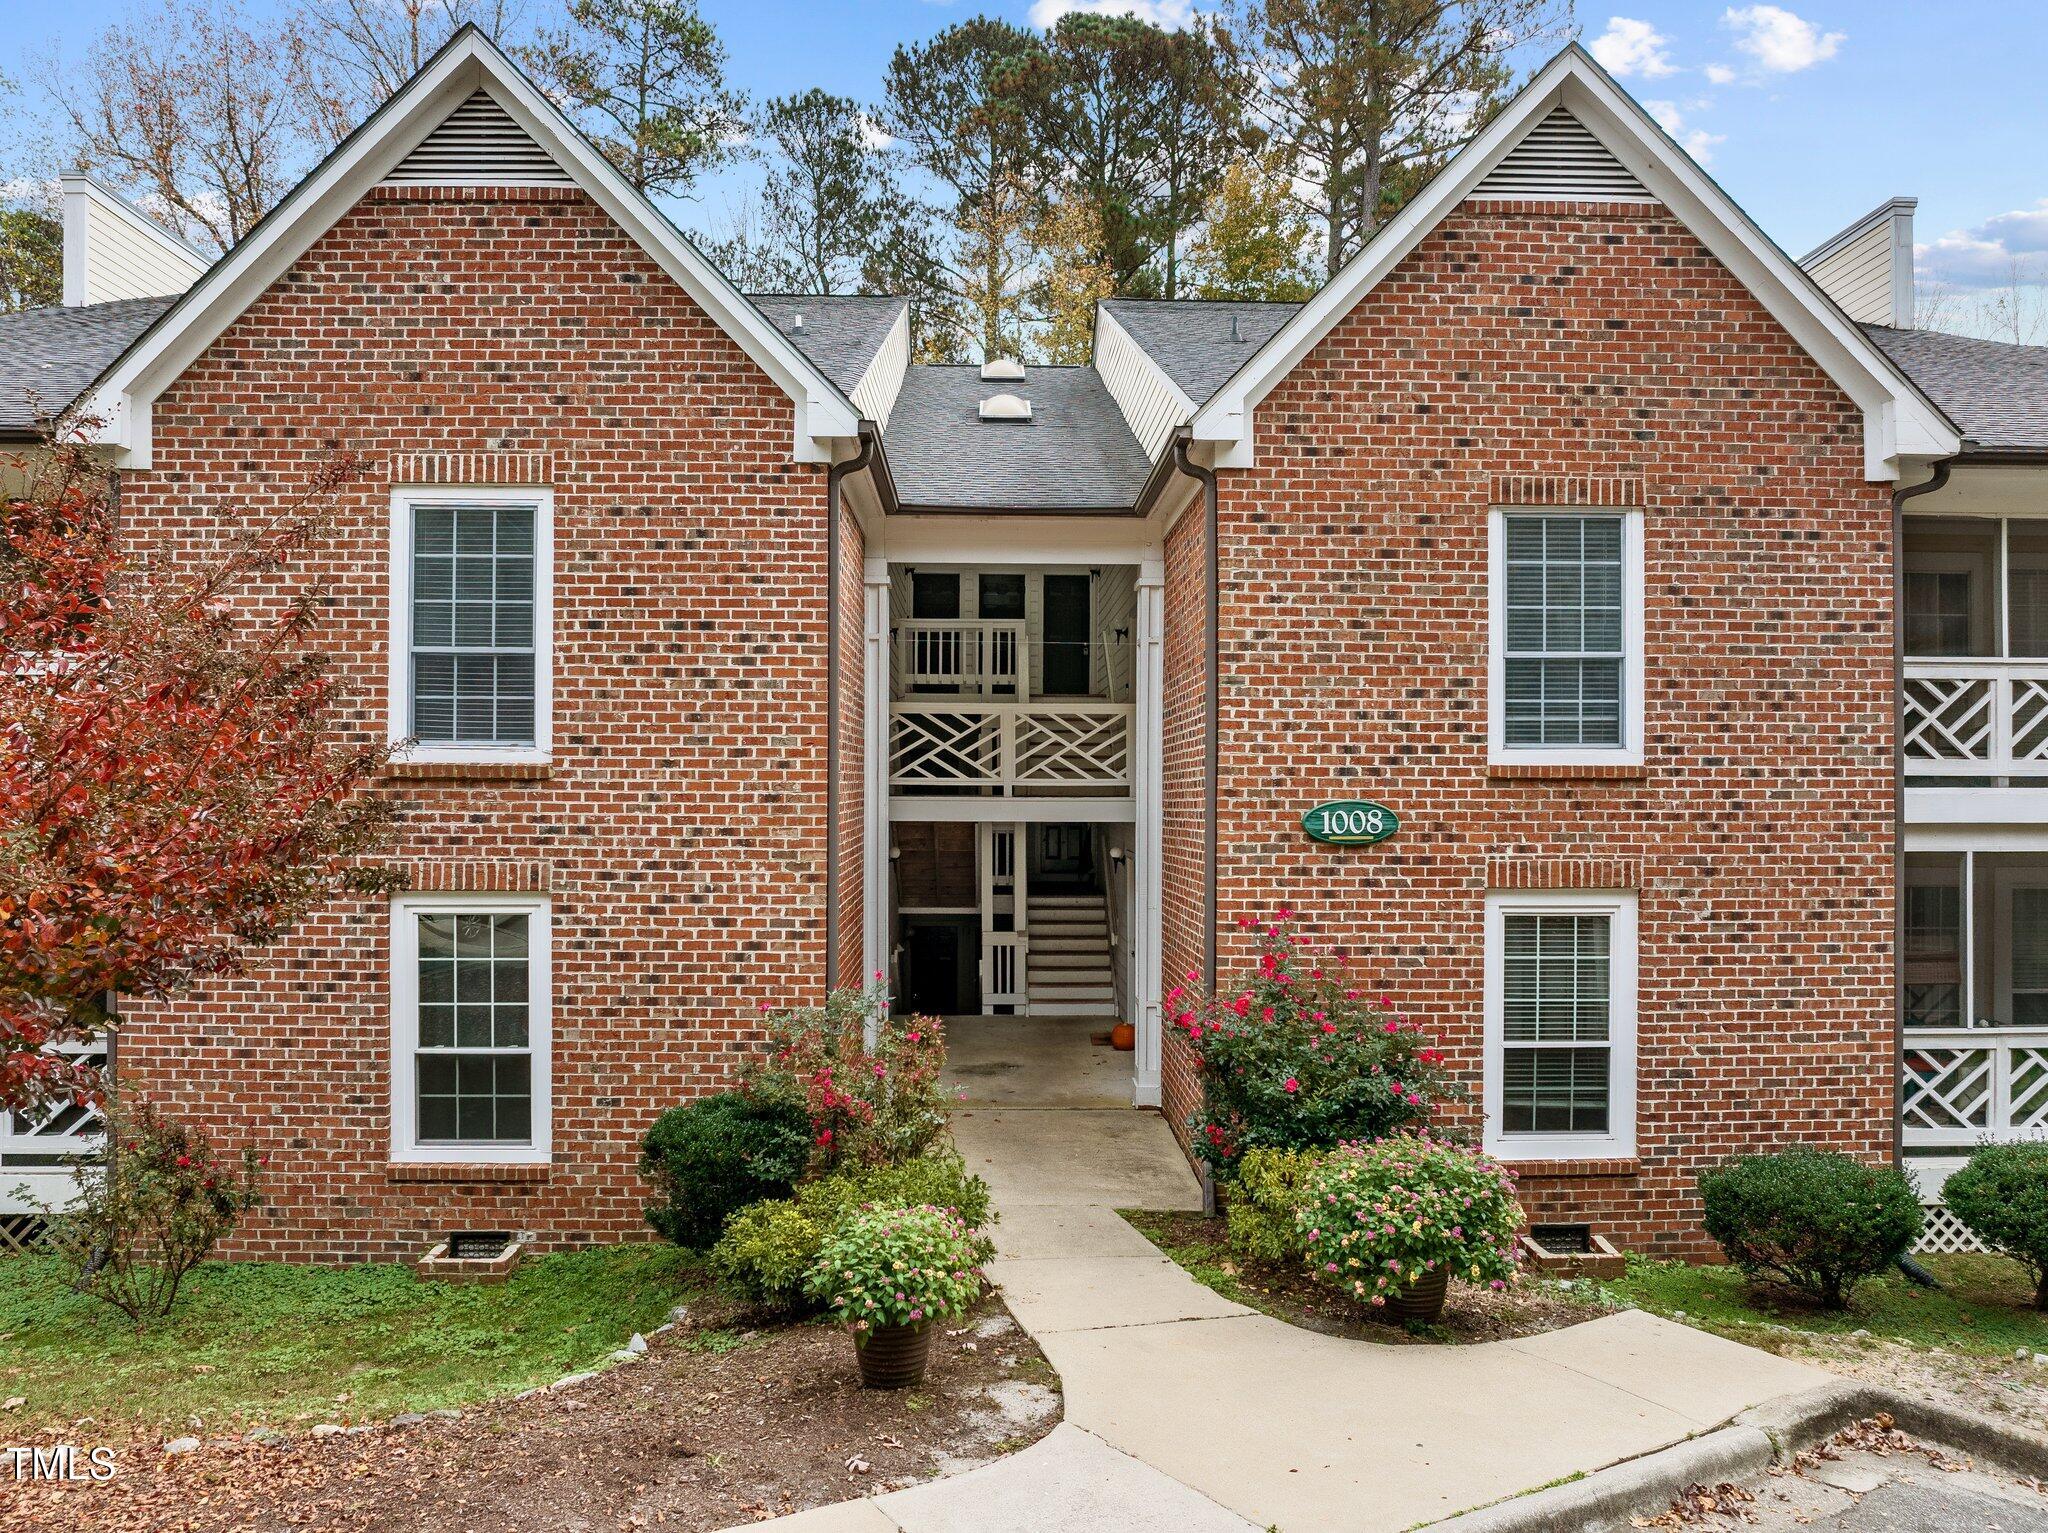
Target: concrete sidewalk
x=1186 y=1411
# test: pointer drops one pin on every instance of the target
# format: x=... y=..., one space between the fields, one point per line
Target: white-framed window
x=1565 y=673
x=471 y=623
x=471 y=1031
x=1560 y=1024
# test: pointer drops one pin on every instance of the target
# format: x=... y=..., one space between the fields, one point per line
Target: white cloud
x=1631 y=47
x=873 y=134
x=1992 y=253
x=1170 y=14
x=1780 y=42
x=1720 y=74
x=1697 y=141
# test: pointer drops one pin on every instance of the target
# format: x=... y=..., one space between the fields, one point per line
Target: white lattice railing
x=37 y=1153
x=1976 y=718
x=1011 y=747
x=1964 y=1085
x=975 y=657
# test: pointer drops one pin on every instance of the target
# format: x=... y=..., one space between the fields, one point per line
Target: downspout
x=1212 y=688
x=833 y=495
x=1912 y=1269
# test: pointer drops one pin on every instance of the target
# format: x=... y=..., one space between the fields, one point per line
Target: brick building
x=737 y=656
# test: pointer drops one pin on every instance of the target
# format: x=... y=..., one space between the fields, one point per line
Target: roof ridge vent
x=1006 y=407
x=1002 y=370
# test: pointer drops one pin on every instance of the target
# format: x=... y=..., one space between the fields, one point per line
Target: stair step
x=1069 y=901
x=1071 y=1009
x=1061 y=928
x=1091 y=945
x=1079 y=959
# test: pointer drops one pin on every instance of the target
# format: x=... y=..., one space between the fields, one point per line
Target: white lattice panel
x=1948 y=718
x=1943 y=1234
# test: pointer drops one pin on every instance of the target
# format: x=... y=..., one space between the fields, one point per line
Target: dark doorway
x=1065 y=858
x=934 y=594
x=942 y=967
x=1064 y=670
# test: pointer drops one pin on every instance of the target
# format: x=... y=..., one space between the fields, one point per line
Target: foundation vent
x=478 y=145
x=1561 y=160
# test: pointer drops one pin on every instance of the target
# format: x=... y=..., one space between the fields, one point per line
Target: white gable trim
x=1900 y=423
x=469 y=62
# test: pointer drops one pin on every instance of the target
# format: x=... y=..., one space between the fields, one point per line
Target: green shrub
x=716 y=1155
x=1815 y=1219
x=868 y=1104
x=2002 y=1198
x=1375 y=1219
x=1293 y=1056
x=1260 y=1218
x=896 y=1266
x=150 y=1210
x=767 y=1248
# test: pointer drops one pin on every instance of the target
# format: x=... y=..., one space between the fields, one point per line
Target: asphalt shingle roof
x=48 y=356
x=1074 y=454
x=1995 y=392
x=1199 y=344
x=841 y=332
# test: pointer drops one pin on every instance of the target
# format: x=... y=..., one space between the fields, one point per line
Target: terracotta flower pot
x=896 y=1356
x=1422 y=1300
x=1123 y=1036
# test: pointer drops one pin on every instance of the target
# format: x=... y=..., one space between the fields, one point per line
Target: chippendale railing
x=1964 y=1085
x=1976 y=718
x=38 y=1151
x=1010 y=748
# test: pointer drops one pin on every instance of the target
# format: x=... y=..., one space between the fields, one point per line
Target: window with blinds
x=474 y=1066
x=1937 y=612
x=473 y=625
x=1563 y=638
x=1556 y=1043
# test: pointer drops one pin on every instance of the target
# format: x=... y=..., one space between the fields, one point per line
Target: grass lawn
x=1984 y=1307
x=263 y=1342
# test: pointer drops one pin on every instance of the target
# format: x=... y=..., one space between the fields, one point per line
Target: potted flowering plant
x=888 y=1273
x=1389 y=1224
x=1294 y=1056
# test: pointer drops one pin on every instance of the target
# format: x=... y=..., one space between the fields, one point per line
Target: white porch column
x=875 y=911
x=1147 y=727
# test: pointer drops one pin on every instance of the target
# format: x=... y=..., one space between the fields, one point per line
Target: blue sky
x=1809 y=113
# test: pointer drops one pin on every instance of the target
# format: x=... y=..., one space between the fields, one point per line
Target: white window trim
x=1619 y=1142
x=1630 y=751
x=406 y=909
x=404 y=500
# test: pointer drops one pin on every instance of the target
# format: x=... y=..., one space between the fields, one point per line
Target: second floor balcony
x=1011 y=683
x=1975 y=683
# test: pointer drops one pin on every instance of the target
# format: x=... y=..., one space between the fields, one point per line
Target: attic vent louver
x=1002 y=370
x=478 y=145
x=1561 y=160
x=1005 y=407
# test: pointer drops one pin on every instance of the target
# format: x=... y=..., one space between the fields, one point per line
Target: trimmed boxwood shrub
x=768 y=1248
x=712 y=1157
x=2002 y=1198
x=1815 y=1219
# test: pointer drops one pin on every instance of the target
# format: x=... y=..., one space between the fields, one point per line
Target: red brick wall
x=1600 y=344
x=680 y=830
x=1183 y=805
x=852 y=747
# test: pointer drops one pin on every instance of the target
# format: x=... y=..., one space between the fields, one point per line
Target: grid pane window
x=1938 y=612
x=1934 y=921
x=1563 y=640
x=473 y=625
x=1556 y=1007
x=474 y=1064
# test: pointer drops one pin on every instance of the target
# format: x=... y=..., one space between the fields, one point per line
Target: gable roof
x=1900 y=422
x=467 y=63
x=841 y=332
x=49 y=356
x=1995 y=391
x=1074 y=454
x=1197 y=342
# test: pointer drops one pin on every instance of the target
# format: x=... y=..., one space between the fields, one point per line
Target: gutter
x=1899 y=499
x=1212 y=670
x=833 y=500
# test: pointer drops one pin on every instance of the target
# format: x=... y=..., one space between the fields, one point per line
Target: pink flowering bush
x=873 y=1104
x=1377 y=1219
x=886 y=1266
x=1294 y=1056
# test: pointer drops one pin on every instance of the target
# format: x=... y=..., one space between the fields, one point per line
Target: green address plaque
x=1351 y=822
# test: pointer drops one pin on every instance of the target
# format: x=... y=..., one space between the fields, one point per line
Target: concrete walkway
x=1187 y=1412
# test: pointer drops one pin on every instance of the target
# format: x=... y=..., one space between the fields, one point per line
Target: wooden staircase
x=1068 y=973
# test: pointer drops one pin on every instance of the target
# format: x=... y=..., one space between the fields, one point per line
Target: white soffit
x=467 y=64
x=1900 y=423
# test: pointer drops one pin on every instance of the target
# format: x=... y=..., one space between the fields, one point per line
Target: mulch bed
x=1289 y=1293
x=714 y=1426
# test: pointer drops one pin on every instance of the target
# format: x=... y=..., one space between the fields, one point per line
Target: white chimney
x=1868 y=267
x=112 y=249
